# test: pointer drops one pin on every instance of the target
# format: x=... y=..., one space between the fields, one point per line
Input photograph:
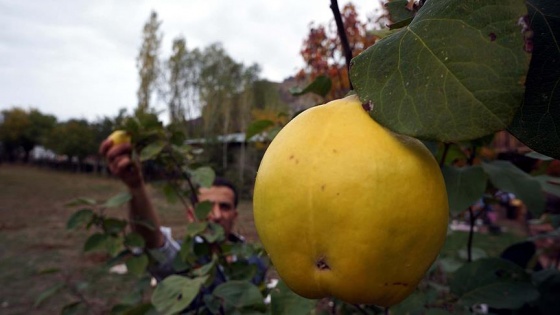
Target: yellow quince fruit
x=119 y=137
x=348 y=209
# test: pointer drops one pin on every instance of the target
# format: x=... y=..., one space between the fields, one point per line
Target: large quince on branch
x=348 y=209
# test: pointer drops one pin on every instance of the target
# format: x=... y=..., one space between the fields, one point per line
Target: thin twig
x=187 y=179
x=471 y=234
x=343 y=38
x=444 y=154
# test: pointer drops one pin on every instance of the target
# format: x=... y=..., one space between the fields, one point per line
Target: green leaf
x=151 y=150
x=81 y=202
x=398 y=11
x=114 y=226
x=175 y=293
x=455 y=73
x=118 y=200
x=204 y=176
x=113 y=245
x=95 y=242
x=204 y=269
x=320 y=86
x=464 y=185
x=537 y=123
x=285 y=301
x=214 y=234
x=134 y=240
x=493 y=281
x=79 y=218
x=548 y=283
x=137 y=264
x=507 y=177
x=196 y=228
x=549 y=184
x=241 y=270
x=202 y=210
x=239 y=295
x=48 y=293
x=413 y=304
x=257 y=127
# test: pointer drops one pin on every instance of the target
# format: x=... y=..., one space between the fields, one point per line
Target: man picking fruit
x=222 y=195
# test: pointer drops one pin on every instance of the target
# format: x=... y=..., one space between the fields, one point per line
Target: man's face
x=223 y=208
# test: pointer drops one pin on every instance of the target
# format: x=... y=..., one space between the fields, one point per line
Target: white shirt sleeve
x=164 y=255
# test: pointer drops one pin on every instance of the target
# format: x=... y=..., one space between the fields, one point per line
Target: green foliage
x=240 y=297
x=506 y=177
x=285 y=301
x=536 y=122
x=23 y=130
x=74 y=138
x=320 y=86
x=424 y=83
x=175 y=293
x=464 y=186
x=496 y=282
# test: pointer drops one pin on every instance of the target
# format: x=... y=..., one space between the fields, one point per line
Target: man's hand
x=120 y=162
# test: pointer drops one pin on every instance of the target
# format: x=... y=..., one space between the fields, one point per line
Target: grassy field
x=33 y=240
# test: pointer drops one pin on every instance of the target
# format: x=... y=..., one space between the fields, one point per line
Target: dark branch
x=343 y=37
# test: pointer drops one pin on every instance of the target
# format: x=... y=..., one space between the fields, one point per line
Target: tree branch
x=343 y=37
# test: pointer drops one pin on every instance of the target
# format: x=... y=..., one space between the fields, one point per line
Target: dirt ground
x=37 y=252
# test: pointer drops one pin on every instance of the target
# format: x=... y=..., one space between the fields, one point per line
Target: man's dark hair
x=223 y=182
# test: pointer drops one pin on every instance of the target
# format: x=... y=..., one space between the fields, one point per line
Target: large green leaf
x=507 y=177
x=285 y=301
x=80 y=218
x=137 y=265
x=151 y=150
x=493 y=281
x=537 y=123
x=548 y=283
x=204 y=176
x=239 y=295
x=118 y=200
x=465 y=186
x=455 y=73
x=175 y=293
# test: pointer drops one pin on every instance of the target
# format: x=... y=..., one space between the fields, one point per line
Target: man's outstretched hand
x=120 y=162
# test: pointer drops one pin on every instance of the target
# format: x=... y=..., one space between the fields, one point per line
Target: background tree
x=148 y=61
x=323 y=53
x=75 y=138
x=21 y=130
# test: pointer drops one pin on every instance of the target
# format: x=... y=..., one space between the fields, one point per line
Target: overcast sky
x=77 y=58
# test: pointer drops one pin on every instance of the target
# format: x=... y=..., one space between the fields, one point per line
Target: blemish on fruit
x=323 y=187
x=334 y=151
x=492 y=37
x=368 y=106
x=321 y=264
x=291 y=157
x=401 y=284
